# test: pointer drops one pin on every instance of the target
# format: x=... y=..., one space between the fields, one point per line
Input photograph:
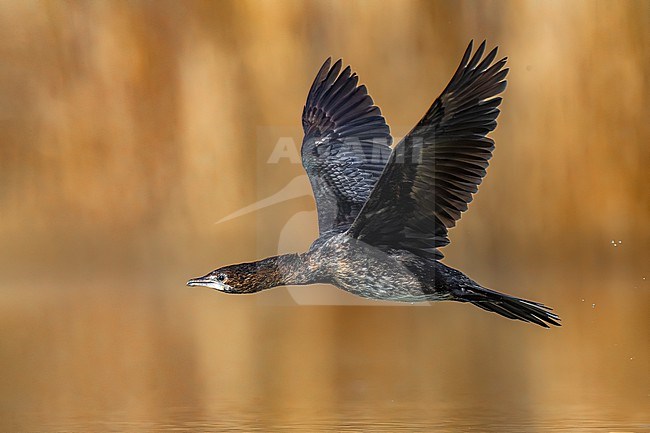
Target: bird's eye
x=222 y=277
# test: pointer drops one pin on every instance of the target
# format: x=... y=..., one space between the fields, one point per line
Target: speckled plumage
x=382 y=214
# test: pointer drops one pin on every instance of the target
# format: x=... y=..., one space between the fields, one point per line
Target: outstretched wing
x=346 y=145
x=433 y=172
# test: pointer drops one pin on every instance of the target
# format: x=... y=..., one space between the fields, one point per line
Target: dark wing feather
x=435 y=169
x=346 y=145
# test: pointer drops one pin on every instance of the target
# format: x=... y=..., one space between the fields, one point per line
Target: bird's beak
x=201 y=281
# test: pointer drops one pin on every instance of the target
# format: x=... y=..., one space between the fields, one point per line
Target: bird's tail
x=509 y=306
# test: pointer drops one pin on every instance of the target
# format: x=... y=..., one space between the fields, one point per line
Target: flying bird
x=384 y=213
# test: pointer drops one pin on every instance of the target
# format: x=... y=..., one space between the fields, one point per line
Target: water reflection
x=354 y=419
x=131 y=357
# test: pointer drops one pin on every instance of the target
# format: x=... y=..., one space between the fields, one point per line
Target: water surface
x=115 y=356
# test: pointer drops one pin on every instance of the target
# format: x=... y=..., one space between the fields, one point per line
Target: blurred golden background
x=129 y=128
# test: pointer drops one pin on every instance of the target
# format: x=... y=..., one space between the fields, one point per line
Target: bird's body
x=396 y=275
x=384 y=213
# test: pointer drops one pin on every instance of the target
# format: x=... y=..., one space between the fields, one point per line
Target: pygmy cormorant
x=384 y=213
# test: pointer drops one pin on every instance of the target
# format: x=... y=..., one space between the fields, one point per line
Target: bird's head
x=241 y=278
x=229 y=279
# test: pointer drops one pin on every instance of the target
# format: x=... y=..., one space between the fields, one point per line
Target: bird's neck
x=282 y=270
